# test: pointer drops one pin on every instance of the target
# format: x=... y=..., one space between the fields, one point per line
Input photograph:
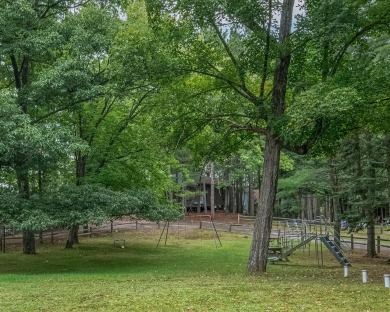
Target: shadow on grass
x=140 y=255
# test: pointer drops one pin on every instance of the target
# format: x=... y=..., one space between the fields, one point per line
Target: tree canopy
x=104 y=104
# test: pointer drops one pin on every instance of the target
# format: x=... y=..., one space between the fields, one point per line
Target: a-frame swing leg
x=166 y=225
x=215 y=234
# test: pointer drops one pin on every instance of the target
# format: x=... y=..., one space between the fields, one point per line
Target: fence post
x=364 y=276
x=378 y=244
x=351 y=241
x=112 y=226
x=52 y=237
x=90 y=231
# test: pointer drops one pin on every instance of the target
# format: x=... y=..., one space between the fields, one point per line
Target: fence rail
x=244 y=225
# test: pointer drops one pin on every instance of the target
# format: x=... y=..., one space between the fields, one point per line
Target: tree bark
x=233 y=197
x=81 y=162
x=259 y=250
x=263 y=225
x=212 y=190
x=370 y=198
x=204 y=193
x=226 y=199
x=336 y=217
x=23 y=180
x=239 y=191
x=72 y=236
x=388 y=172
x=21 y=80
x=28 y=242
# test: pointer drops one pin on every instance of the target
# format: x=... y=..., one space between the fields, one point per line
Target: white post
x=364 y=276
x=387 y=280
x=345 y=270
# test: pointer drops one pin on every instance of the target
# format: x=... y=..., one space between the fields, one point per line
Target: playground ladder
x=335 y=250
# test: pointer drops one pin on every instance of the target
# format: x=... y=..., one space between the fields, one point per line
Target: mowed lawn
x=190 y=273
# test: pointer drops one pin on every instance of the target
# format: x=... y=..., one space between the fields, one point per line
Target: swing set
x=210 y=219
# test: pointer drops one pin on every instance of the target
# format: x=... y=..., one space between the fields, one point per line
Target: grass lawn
x=187 y=274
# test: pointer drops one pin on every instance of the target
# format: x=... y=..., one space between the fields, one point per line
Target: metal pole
x=166 y=235
x=216 y=233
x=161 y=234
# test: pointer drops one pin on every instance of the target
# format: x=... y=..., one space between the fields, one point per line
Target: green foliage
x=12 y=123
x=309 y=177
x=144 y=89
x=44 y=145
x=25 y=214
x=320 y=117
x=86 y=204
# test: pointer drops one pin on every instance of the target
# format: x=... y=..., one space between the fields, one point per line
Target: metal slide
x=287 y=253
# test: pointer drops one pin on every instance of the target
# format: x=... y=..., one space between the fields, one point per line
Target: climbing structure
x=293 y=234
x=335 y=249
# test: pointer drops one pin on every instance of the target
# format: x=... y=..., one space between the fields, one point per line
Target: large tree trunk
x=212 y=190
x=204 y=193
x=72 y=236
x=21 y=74
x=336 y=216
x=81 y=162
x=262 y=231
x=370 y=218
x=370 y=198
x=28 y=242
x=388 y=173
x=239 y=191
x=232 y=198
x=263 y=225
x=24 y=192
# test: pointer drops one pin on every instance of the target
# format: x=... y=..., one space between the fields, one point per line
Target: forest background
x=111 y=108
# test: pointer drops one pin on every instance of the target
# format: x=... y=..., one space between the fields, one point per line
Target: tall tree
x=254 y=22
x=234 y=43
x=28 y=45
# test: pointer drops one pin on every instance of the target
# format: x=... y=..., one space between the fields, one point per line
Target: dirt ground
x=219 y=217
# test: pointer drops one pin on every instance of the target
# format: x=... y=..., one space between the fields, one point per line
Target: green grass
x=188 y=274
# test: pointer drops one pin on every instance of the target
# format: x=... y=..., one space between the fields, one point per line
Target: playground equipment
x=208 y=217
x=294 y=234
